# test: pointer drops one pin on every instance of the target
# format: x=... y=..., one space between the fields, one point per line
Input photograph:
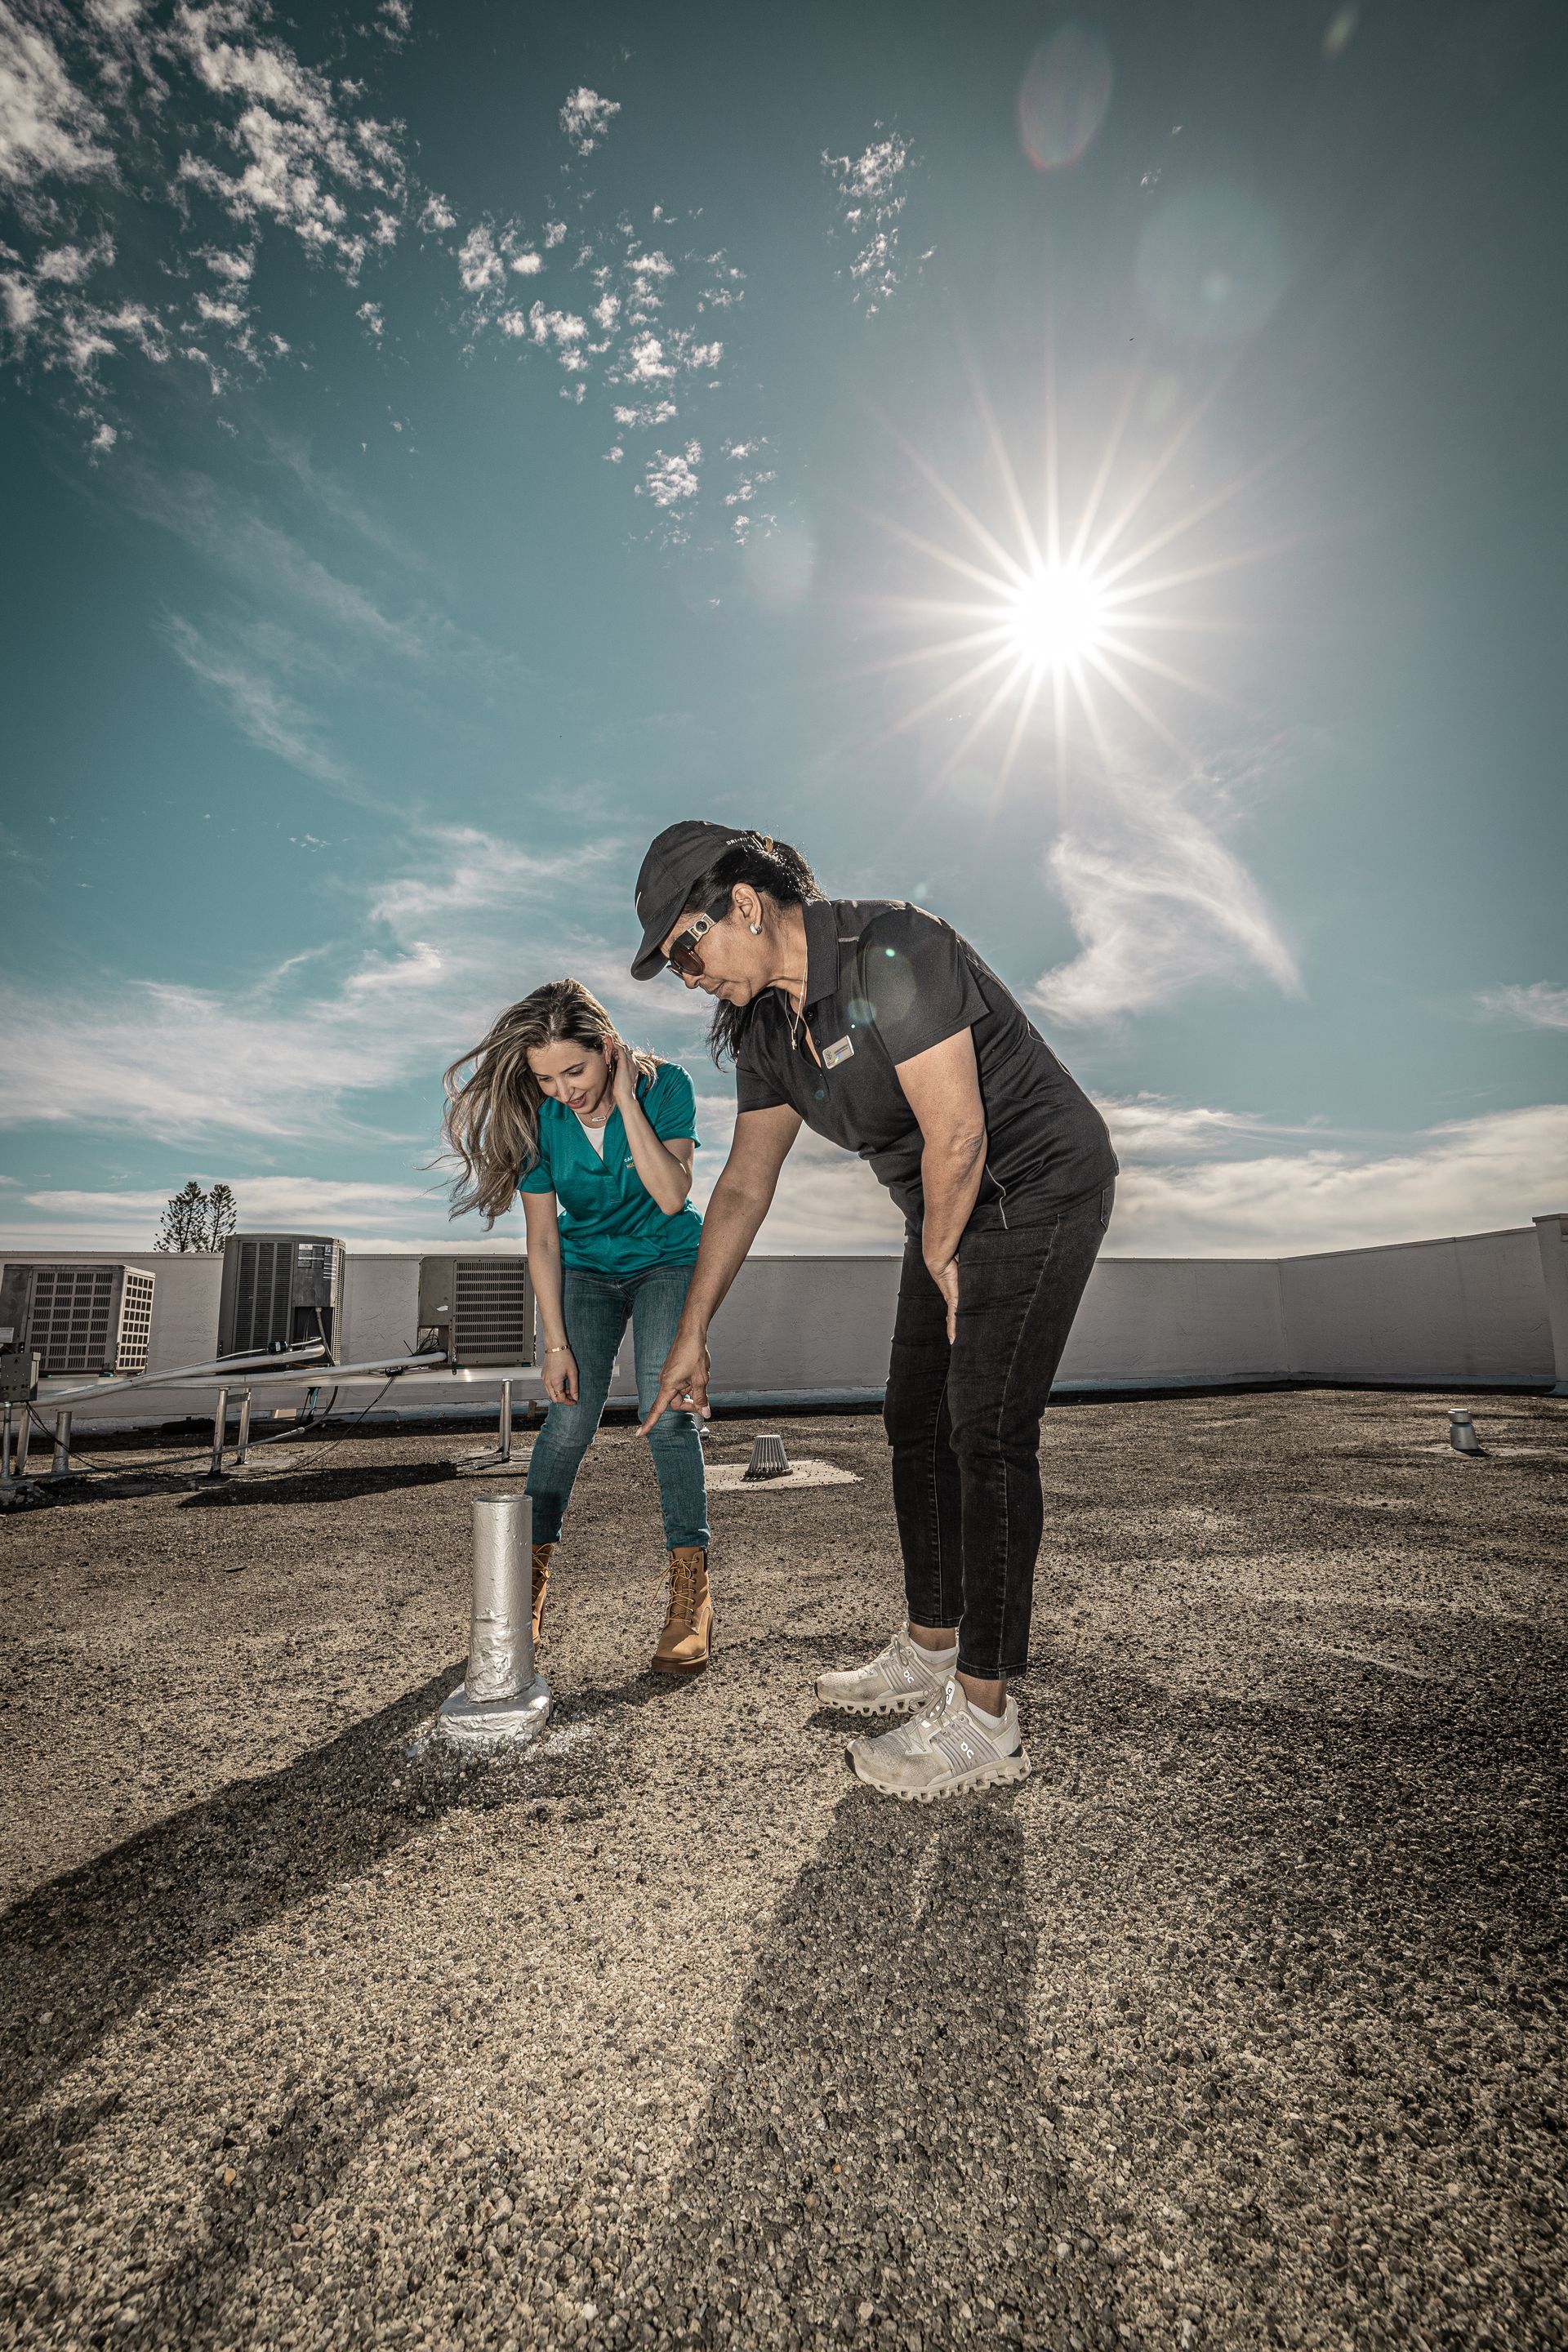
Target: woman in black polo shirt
x=877 y=1025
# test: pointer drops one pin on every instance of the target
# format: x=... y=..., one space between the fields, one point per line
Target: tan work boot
x=688 y=1632
x=540 y=1586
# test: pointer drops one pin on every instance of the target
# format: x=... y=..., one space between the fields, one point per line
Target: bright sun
x=1043 y=617
x=1058 y=618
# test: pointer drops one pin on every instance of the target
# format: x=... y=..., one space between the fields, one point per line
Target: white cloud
x=672 y=481
x=67 y=264
x=370 y=1216
x=640 y=327
x=1152 y=1127
x=1199 y=1182
x=645 y=361
x=828 y=1204
x=267 y=564
x=585 y=117
x=235 y=266
x=1541 y=1005
x=648 y=413
x=474 y=872
x=1157 y=899
x=871 y=193
x=288 y=1056
x=562 y=328
x=308 y=160
x=288 y=1200
x=264 y=714
x=48 y=128
x=478 y=263
x=1466 y=1176
x=109 y=115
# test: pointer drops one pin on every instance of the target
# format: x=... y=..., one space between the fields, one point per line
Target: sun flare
x=1051 y=617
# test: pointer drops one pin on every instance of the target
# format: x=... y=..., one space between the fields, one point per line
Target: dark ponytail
x=775 y=870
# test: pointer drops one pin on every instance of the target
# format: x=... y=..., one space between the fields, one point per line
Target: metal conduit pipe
x=61 y=1465
x=220 y=1430
x=504 y=1698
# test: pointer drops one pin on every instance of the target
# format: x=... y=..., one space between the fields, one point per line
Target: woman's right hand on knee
x=561 y=1384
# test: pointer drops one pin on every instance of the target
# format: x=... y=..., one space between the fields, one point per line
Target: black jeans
x=965 y=1425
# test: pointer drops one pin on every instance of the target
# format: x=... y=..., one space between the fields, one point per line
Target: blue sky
x=441 y=447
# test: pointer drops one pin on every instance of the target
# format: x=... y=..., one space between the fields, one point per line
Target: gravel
x=1239 y=2023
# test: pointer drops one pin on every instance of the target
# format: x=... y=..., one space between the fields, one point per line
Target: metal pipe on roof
x=504 y=1700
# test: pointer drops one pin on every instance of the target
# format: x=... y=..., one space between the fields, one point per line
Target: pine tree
x=222 y=1216
x=185 y=1225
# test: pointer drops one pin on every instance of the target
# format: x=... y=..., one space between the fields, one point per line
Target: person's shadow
x=874 y=2161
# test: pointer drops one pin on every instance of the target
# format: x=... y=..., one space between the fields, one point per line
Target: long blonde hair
x=491 y=1122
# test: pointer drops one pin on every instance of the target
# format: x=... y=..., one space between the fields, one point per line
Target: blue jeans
x=596 y=1307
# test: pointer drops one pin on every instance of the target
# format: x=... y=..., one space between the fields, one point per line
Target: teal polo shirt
x=610 y=1222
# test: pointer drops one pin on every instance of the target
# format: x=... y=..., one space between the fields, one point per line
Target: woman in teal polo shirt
x=598 y=1138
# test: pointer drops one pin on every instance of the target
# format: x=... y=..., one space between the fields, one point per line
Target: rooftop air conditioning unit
x=477 y=1310
x=95 y=1320
x=279 y=1290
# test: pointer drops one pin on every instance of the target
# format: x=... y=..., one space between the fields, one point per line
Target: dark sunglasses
x=683 y=957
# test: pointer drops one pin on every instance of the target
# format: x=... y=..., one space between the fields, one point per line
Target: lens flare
x=1064 y=98
x=1212 y=265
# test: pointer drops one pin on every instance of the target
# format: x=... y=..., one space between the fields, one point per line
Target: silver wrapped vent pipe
x=504 y=1697
x=1462 y=1433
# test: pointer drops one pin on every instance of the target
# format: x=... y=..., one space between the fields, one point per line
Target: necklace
x=597 y=1119
x=794 y=1018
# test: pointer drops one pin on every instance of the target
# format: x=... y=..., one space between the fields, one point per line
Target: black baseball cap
x=678 y=858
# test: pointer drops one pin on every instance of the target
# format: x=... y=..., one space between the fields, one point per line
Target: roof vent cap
x=768 y=1460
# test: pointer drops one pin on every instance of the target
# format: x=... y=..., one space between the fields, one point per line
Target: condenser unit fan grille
x=492 y=1312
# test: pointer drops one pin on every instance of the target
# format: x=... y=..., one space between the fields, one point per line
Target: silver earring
x=754 y=928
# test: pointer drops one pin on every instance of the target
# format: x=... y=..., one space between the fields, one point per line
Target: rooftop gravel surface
x=1238 y=2023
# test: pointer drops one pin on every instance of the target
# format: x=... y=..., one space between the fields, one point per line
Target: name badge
x=833 y=1055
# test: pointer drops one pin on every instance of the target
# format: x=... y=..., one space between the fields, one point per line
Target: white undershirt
x=595 y=1134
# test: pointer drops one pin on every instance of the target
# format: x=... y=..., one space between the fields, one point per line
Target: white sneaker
x=943 y=1751
x=900 y=1679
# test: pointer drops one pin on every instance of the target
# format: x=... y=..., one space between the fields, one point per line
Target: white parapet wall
x=804 y=1324
x=1552 y=1239
x=1473 y=1310
x=1172 y=1322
